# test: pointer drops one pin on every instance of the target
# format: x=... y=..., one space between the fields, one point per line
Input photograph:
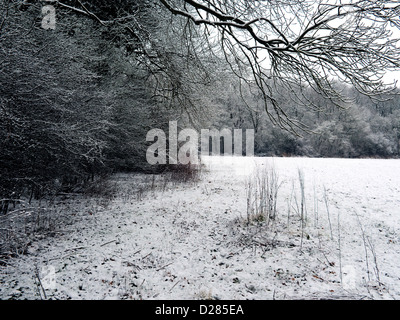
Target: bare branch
x=299 y=44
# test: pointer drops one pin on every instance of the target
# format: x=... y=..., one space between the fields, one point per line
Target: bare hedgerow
x=28 y=223
x=184 y=173
x=138 y=187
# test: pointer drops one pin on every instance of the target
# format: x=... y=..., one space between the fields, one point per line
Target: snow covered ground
x=163 y=240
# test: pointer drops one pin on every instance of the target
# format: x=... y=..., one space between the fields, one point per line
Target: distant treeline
x=363 y=127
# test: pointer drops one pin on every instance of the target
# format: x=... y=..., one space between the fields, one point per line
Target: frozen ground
x=155 y=240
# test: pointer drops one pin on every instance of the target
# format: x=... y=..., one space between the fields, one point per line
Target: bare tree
x=284 y=48
x=291 y=44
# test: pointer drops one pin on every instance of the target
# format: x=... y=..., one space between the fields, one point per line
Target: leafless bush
x=369 y=246
x=20 y=227
x=137 y=187
x=101 y=187
x=262 y=194
x=184 y=173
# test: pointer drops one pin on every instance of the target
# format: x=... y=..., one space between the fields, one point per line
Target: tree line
x=76 y=102
x=364 y=127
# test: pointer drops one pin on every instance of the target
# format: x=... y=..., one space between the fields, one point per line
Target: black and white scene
x=199 y=150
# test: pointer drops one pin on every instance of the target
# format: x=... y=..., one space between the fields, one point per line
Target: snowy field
x=158 y=239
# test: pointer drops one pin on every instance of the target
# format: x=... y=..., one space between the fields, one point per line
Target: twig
x=102 y=245
x=62 y=257
x=329 y=263
x=290 y=204
x=146 y=255
x=365 y=244
x=40 y=282
x=315 y=208
x=85 y=12
x=340 y=249
x=164 y=266
x=372 y=248
x=73 y=249
x=174 y=285
x=327 y=210
x=303 y=212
